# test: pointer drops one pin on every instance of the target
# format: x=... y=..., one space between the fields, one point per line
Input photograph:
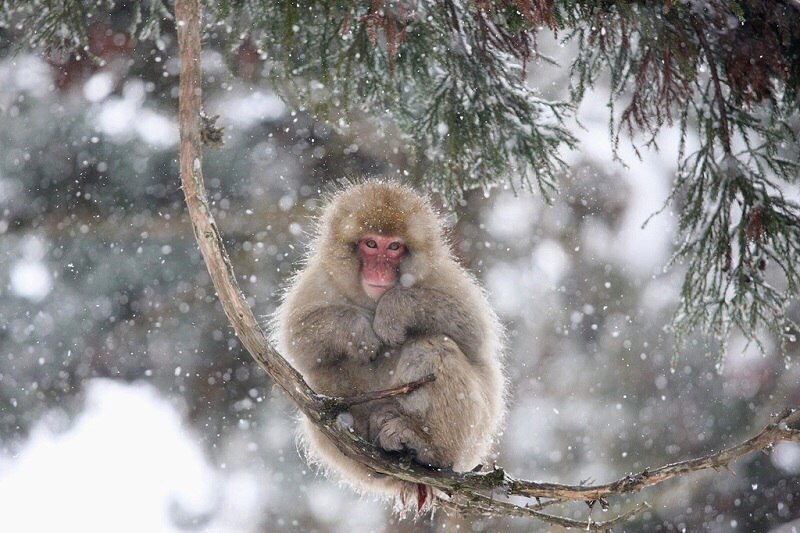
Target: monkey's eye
x=371 y=244
x=394 y=246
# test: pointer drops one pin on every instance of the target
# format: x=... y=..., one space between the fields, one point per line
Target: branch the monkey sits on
x=382 y=302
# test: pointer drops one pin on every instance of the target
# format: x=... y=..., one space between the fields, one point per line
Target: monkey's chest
x=347 y=377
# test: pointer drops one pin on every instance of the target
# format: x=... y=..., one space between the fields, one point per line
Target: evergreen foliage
x=450 y=76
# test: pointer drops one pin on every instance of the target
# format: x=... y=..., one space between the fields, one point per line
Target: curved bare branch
x=466 y=489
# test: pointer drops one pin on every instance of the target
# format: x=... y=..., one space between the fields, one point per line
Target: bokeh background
x=127 y=404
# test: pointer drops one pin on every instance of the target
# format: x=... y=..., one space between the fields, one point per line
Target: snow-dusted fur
x=437 y=320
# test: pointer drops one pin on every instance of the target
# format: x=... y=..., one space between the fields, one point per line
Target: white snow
x=98 y=87
x=786 y=457
x=549 y=261
x=126 y=464
x=643 y=250
x=31 y=280
x=29 y=73
x=156 y=129
x=245 y=109
x=116 y=117
x=121 y=118
x=29 y=276
x=513 y=216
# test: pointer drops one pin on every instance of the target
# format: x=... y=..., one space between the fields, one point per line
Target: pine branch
x=466 y=490
x=449 y=78
x=719 y=97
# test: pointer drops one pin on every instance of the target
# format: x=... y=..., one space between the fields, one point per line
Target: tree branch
x=380 y=395
x=718 y=96
x=465 y=489
x=484 y=506
x=779 y=429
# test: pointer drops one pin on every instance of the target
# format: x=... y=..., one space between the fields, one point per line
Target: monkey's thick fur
x=436 y=320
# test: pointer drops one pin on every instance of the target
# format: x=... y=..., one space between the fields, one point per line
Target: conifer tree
x=450 y=78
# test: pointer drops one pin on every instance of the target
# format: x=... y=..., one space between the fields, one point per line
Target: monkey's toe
x=396 y=435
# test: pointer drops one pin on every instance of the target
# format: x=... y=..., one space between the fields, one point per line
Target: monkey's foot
x=395 y=434
x=416 y=498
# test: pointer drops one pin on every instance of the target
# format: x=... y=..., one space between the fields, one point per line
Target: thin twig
x=348 y=401
x=780 y=429
x=485 y=506
x=539 y=505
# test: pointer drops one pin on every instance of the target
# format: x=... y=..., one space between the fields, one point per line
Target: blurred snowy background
x=126 y=403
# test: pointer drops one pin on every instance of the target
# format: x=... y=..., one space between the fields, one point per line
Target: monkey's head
x=377 y=234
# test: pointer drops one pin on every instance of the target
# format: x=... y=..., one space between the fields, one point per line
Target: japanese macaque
x=380 y=303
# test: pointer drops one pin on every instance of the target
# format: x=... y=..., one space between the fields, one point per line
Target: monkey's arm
x=324 y=334
x=405 y=311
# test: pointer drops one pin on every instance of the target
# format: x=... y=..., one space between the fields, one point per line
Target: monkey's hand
x=324 y=334
x=394 y=316
x=363 y=344
x=426 y=311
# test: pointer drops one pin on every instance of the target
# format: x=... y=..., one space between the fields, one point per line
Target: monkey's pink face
x=380 y=259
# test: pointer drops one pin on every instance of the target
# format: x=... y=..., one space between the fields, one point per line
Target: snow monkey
x=381 y=302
